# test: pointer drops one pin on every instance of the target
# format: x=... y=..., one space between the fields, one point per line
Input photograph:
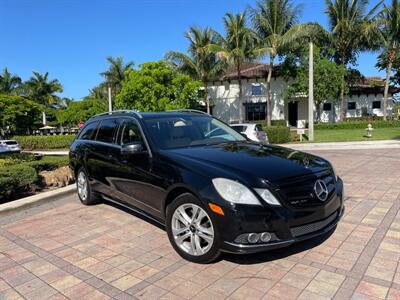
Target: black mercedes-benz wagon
x=214 y=189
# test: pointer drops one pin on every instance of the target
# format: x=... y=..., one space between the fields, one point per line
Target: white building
x=365 y=98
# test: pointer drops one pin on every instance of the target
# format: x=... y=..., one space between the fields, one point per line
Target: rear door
x=103 y=155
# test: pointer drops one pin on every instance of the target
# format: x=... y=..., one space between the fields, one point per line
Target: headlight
x=268 y=197
x=234 y=191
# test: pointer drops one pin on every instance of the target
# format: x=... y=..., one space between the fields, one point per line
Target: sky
x=70 y=39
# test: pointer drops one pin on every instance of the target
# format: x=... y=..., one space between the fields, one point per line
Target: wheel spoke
x=180 y=239
x=182 y=216
x=201 y=214
x=206 y=235
x=179 y=231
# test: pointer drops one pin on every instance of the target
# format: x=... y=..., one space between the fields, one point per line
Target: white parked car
x=253 y=131
x=9 y=146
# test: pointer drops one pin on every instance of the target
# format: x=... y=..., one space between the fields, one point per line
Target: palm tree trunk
x=240 y=94
x=206 y=99
x=386 y=91
x=268 y=96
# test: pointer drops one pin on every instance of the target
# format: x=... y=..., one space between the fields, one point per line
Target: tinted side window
x=238 y=128
x=106 y=131
x=258 y=127
x=87 y=132
x=129 y=133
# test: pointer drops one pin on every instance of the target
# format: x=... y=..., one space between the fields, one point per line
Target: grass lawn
x=345 y=135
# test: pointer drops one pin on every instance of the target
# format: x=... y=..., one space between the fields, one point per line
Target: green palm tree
x=237 y=47
x=275 y=22
x=200 y=63
x=9 y=83
x=42 y=90
x=116 y=72
x=389 y=20
x=353 y=29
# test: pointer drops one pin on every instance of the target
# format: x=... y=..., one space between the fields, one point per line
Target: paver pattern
x=64 y=250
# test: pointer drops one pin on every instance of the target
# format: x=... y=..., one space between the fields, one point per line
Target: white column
x=109 y=100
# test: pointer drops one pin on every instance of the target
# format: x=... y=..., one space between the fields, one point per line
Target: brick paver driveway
x=66 y=250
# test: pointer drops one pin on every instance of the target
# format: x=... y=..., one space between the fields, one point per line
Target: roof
x=149 y=115
x=249 y=70
x=256 y=70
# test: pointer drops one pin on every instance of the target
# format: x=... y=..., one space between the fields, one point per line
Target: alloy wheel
x=192 y=229
x=82 y=186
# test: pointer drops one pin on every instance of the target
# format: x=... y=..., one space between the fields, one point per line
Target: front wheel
x=191 y=230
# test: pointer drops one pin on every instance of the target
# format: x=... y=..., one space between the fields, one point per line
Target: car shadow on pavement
x=255 y=258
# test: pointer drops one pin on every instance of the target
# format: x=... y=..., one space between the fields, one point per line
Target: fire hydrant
x=369 y=130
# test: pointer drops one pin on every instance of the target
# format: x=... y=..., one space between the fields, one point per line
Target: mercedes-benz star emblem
x=321 y=190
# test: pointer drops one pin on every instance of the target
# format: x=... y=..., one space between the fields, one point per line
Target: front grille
x=299 y=192
x=312 y=227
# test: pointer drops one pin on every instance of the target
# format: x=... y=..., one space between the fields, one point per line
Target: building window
x=226 y=86
x=351 y=105
x=376 y=104
x=256 y=89
x=255 y=111
x=327 y=107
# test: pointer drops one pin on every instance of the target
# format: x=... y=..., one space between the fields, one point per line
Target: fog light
x=253 y=238
x=265 y=237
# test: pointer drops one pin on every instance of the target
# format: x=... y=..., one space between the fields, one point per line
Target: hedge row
x=19 y=172
x=16 y=179
x=358 y=124
x=278 y=134
x=38 y=142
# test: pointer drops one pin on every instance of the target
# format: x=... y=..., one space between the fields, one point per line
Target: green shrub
x=16 y=179
x=48 y=163
x=361 y=124
x=37 y=142
x=278 y=134
x=280 y=123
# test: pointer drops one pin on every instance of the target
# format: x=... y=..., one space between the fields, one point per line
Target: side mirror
x=133 y=148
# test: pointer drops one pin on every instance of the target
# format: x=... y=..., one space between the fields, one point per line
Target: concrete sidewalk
x=363 y=145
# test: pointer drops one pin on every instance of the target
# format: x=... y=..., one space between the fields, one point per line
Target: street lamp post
x=311 y=92
x=109 y=99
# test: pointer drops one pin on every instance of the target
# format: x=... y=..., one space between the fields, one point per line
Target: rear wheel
x=85 y=193
x=191 y=230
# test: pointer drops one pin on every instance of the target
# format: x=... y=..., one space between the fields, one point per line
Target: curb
x=35 y=200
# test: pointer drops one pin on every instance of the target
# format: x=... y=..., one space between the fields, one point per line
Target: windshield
x=188 y=131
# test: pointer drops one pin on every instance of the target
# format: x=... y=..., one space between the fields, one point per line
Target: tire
x=84 y=189
x=186 y=233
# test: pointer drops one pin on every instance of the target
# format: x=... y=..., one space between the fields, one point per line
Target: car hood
x=271 y=163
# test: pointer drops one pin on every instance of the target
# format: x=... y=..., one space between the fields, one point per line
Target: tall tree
x=237 y=47
x=274 y=20
x=41 y=89
x=353 y=29
x=9 y=83
x=116 y=73
x=201 y=63
x=390 y=34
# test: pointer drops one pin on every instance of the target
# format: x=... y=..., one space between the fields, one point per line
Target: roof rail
x=121 y=111
x=190 y=110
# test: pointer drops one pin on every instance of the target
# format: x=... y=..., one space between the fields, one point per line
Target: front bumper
x=286 y=225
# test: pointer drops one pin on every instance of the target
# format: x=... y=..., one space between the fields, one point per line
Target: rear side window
x=87 y=132
x=106 y=131
x=129 y=133
x=238 y=128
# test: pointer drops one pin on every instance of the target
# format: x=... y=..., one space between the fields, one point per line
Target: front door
x=133 y=177
x=293 y=113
